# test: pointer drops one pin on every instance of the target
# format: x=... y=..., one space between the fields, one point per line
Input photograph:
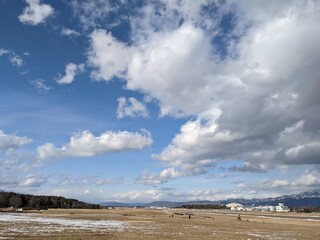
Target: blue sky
x=159 y=100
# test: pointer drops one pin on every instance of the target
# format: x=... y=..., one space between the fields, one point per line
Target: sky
x=140 y=101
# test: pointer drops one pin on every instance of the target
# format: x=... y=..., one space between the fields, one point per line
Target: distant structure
x=155 y=207
x=236 y=207
x=267 y=208
x=282 y=208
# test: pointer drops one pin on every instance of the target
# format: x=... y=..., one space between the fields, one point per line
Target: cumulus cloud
x=40 y=86
x=198 y=146
x=85 y=144
x=8 y=142
x=252 y=89
x=131 y=107
x=164 y=67
x=71 y=71
x=307 y=180
x=35 y=13
x=168 y=64
x=108 y=56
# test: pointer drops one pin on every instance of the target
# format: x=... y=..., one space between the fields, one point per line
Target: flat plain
x=169 y=224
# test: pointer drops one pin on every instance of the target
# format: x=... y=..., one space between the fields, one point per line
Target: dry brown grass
x=158 y=224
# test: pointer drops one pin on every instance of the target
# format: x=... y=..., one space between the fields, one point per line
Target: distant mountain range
x=295 y=200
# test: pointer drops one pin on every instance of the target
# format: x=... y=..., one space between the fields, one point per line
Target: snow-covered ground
x=33 y=224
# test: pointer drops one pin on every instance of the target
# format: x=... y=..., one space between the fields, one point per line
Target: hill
x=26 y=201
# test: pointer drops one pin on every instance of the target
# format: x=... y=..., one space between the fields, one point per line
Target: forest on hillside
x=26 y=201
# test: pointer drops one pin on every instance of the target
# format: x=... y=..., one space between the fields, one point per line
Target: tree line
x=307 y=209
x=26 y=201
x=203 y=206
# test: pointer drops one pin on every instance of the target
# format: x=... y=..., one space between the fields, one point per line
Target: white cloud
x=69 y=32
x=279 y=183
x=131 y=107
x=140 y=196
x=12 y=182
x=156 y=179
x=263 y=89
x=90 y=13
x=304 y=182
x=3 y=51
x=197 y=147
x=33 y=181
x=85 y=144
x=14 y=58
x=8 y=142
x=174 y=195
x=213 y=194
x=251 y=115
x=166 y=66
x=307 y=180
x=35 y=13
x=71 y=70
x=16 y=161
x=108 y=56
x=40 y=86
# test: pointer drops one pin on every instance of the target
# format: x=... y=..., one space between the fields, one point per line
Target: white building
x=267 y=208
x=235 y=207
x=282 y=208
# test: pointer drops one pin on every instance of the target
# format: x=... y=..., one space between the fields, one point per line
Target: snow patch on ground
x=269 y=236
x=36 y=225
x=78 y=223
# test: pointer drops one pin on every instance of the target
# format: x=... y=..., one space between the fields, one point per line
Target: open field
x=156 y=224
